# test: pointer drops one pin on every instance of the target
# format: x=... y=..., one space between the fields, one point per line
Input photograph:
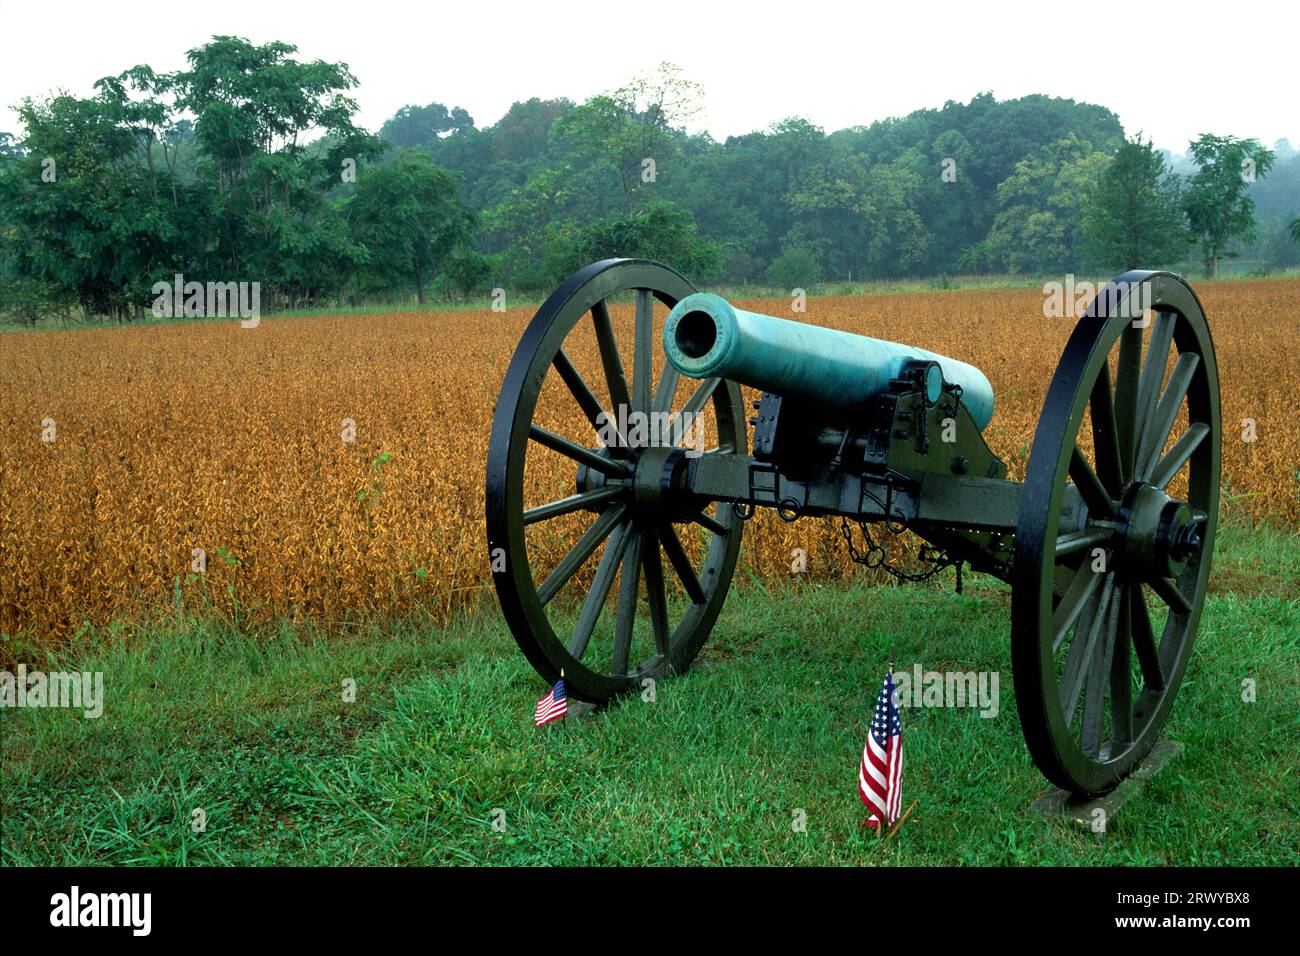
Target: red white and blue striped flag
x=552 y=705
x=880 y=776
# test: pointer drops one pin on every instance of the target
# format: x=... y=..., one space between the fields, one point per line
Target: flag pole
x=901 y=819
x=884 y=823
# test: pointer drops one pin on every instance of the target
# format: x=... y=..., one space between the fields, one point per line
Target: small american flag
x=552 y=705
x=880 y=777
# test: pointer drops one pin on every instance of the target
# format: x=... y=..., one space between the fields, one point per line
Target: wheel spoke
x=1121 y=677
x=1083 y=646
x=701 y=395
x=1091 y=490
x=1126 y=396
x=1105 y=439
x=1076 y=541
x=625 y=590
x=1188 y=442
x=1168 y=590
x=1167 y=411
x=577 y=556
x=1132 y=418
x=642 y=349
x=667 y=388
x=1081 y=590
x=600 y=585
x=628 y=585
x=654 y=592
x=609 y=358
x=585 y=499
x=1099 y=666
x=681 y=563
x=1144 y=641
x=606 y=466
x=583 y=394
x=1153 y=373
x=710 y=522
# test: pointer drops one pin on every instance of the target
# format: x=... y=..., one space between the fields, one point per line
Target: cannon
x=1106 y=543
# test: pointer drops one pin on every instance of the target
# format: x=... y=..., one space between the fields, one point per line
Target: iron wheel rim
x=518 y=585
x=1043 y=640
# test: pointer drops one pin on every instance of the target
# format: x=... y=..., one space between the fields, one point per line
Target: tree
x=631 y=132
x=796 y=268
x=1279 y=244
x=511 y=228
x=83 y=219
x=1133 y=216
x=740 y=191
x=1038 y=228
x=1219 y=208
x=524 y=132
x=978 y=146
x=661 y=231
x=465 y=270
x=421 y=125
x=408 y=216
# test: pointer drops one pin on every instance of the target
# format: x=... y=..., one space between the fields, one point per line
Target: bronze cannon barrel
x=706 y=336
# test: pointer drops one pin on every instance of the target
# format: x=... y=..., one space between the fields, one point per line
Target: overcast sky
x=838 y=64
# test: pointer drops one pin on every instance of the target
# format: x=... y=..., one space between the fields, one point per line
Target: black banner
x=334 y=905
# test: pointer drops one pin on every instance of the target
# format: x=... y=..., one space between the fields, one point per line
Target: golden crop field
x=126 y=449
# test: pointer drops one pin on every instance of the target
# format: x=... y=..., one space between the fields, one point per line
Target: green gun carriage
x=1092 y=542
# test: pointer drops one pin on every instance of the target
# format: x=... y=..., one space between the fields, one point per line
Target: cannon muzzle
x=706 y=336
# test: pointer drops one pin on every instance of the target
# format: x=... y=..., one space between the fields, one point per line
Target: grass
x=254 y=731
x=531 y=299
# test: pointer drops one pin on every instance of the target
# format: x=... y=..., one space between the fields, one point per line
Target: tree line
x=248 y=165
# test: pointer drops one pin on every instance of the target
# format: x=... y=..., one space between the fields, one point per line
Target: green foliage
x=28 y=299
x=1219 y=208
x=1038 y=228
x=866 y=202
x=465 y=271
x=628 y=136
x=247 y=165
x=662 y=231
x=241 y=167
x=84 y=220
x=408 y=216
x=795 y=268
x=1133 y=216
x=1279 y=244
x=421 y=125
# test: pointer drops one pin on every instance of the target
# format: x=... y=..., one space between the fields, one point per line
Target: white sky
x=839 y=64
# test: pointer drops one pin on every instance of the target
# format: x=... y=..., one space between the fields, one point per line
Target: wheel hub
x=658 y=475
x=653 y=479
x=1159 y=535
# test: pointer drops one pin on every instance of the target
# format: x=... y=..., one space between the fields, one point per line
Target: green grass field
x=1236 y=272
x=254 y=731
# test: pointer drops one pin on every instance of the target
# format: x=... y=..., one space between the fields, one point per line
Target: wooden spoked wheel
x=643 y=567
x=1116 y=530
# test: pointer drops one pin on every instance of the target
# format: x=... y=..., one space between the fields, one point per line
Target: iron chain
x=875 y=556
